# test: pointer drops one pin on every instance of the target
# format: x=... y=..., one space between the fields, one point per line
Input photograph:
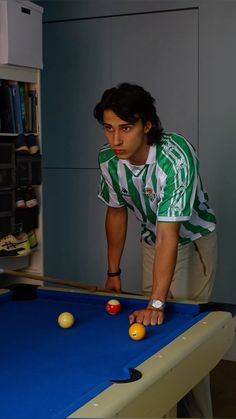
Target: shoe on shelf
x=20 y=201
x=30 y=197
x=33 y=240
x=21 y=146
x=15 y=246
x=32 y=144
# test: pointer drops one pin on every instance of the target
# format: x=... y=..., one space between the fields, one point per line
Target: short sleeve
x=178 y=191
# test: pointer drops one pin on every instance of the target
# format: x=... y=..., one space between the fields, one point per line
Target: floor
x=223 y=389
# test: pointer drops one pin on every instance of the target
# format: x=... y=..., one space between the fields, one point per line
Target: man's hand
x=148 y=316
x=113 y=284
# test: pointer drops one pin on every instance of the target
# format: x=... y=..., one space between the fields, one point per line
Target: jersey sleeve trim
x=109 y=204
x=173 y=219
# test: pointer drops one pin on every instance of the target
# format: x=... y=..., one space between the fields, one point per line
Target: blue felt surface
x=47 y=371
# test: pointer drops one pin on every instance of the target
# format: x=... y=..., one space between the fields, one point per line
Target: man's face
x=127 y=140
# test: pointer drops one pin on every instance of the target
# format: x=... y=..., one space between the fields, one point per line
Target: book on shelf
x=18 y=107
x=22 y=105
x=33 y=110
x=15 y=89
x=7 y=114
x=24 y=94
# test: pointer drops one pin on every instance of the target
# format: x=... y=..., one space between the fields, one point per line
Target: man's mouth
x=119 y=151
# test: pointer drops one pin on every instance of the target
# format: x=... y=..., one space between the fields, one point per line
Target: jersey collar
x=151 y=158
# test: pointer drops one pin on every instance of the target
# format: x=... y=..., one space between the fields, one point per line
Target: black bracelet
x=114 y=273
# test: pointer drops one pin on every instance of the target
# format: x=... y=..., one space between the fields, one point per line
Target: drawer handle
x=25 y=10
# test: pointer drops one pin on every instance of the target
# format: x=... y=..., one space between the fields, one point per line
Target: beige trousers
x=193 y=280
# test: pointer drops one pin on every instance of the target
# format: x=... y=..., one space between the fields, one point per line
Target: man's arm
x=116 y=228
x=163 y=271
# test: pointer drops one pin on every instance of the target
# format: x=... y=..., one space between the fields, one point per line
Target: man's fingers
x=147 y=317
x=160 y=318
x=131 y=319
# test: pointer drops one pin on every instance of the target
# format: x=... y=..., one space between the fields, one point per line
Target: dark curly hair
x=131 y=102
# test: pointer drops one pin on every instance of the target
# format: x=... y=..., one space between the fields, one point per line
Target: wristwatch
x=157 y=304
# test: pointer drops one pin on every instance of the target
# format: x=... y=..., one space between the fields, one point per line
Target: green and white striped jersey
x=167 y=188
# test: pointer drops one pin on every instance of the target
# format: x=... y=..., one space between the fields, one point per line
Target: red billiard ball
x=113 y=306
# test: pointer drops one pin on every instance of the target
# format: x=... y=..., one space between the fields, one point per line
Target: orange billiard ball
x=137 y=331
x=113 y=306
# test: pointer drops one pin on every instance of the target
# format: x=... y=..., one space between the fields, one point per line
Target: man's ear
x=147 y=126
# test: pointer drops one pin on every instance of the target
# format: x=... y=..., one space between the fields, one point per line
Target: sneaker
x=33 y=241
x=20 y=201
x=30 y=197
x=15 y=246
x=21 y=145
x=32 y=144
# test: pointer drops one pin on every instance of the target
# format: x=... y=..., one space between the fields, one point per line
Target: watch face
x=157 y=303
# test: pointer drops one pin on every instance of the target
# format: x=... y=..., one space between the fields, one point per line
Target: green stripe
x=207 y=216
x=105 y=155
x=185 y=174
x=154 y=180
x=165 y=202
x=128 y=205
x=112 y=169
x=134 y=193
x=184 y=240
x=203 y=214
x=179 y=150
x=183 y=144
x=104 y=190
x=150 y=235
x=151 y=216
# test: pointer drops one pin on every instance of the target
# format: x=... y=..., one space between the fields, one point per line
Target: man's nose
x=117 y=138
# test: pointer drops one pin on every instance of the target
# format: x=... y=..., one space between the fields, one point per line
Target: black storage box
x=28 y=170
x=7 y=165
x=7 y=211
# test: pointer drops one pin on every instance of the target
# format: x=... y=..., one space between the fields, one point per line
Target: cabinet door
x=74 y=228
x=160 y=52
x=77 y=70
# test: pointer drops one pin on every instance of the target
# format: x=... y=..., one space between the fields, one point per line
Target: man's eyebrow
x=120 y=125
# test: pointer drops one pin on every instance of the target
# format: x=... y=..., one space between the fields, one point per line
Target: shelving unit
x=35 y=259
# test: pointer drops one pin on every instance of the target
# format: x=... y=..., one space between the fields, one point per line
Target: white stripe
x=113 y=198
x=169 y=219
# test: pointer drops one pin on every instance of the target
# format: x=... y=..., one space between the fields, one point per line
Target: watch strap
x=111 y=274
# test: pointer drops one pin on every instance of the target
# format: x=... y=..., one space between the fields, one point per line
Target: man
x=155 y=174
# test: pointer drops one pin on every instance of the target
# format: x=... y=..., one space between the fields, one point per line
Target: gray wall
x=183 y=52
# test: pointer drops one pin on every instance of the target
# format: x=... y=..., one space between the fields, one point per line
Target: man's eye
x=107 y=128
x=126 y=129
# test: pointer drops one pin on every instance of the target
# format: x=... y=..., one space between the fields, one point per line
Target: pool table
x=94 y=369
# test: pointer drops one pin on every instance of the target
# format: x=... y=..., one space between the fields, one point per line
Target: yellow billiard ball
x=66 y=320
x=137 y=331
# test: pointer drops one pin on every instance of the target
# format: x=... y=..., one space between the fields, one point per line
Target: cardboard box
x=21 y=33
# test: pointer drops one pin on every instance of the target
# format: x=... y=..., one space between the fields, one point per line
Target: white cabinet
x=21 y=33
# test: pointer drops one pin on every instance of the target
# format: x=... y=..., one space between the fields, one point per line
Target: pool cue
x=58 y=281
x=50 y=280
